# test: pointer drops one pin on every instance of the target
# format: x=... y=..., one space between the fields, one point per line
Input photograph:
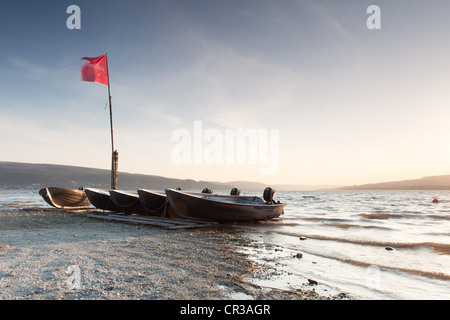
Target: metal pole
x=116 y=169
x=114 y=153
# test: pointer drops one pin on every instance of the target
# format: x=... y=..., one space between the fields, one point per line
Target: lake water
x=369 y=244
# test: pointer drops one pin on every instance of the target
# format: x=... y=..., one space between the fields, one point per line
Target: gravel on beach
x=58 y=255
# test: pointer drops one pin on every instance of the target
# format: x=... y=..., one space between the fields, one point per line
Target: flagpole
x=114 y=153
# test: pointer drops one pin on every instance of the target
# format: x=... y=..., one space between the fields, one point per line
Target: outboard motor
x=268 y=195
x=207 y=190
x=235 y=192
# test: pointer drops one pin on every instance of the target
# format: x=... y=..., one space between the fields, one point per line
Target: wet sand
x=57 y=255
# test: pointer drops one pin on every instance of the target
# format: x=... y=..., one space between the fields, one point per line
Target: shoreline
x=61 y=256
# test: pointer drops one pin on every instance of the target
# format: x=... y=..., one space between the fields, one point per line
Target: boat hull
x=223 y=209
x=101 y=199
x=62 y=198
x=156 y=204
x=127 y=202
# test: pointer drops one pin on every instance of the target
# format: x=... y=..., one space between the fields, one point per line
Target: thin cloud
x=326 y=105
x=31 y=69
x=158 y=112
x=240 y=89
x=328 y=17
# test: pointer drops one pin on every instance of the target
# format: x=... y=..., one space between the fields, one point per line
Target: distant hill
x=14 y=175
x=425 y=183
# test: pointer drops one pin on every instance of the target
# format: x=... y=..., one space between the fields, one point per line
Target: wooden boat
x=62 y=198
x=101 y=199
x=222 y=208
x=127 y=202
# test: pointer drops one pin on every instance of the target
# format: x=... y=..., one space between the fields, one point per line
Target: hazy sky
x=346 y=104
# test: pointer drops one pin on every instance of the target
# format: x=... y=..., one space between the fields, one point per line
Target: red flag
x=95 y=70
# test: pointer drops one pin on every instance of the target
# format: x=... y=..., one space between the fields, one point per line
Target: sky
x=276 y=91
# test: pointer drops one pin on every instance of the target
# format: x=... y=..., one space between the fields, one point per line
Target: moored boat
x=153 y=201
x=127 y=202
x=224 y=208
x=101 y=199
x=63 y=198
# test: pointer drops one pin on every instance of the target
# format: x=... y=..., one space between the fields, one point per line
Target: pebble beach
x=60 y=256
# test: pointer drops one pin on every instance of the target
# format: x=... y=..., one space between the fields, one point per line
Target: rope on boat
x=150 y=211
x=156 y=210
